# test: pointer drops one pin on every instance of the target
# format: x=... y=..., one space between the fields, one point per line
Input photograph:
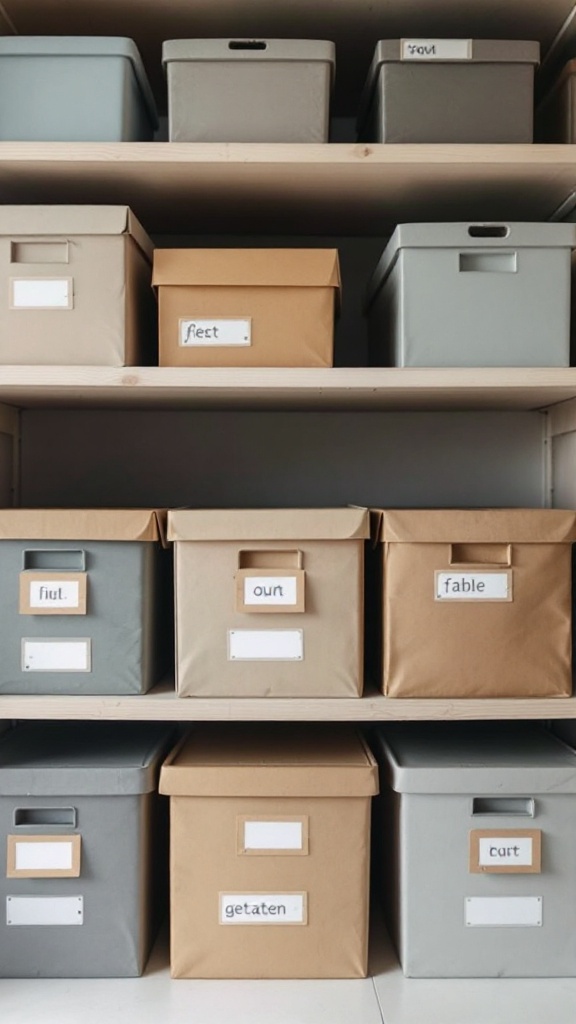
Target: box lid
x=38 y=221
x=303 y=50
x=480 y=526
x=484 y=759
x=101 y=524
x=83 y=46
x=271 y=760
x=82 y=758
x=284 y=268
x=269 y=524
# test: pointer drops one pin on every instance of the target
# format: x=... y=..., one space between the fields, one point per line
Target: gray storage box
x=478 y=837
x=472 y=295
x=556 y=114
x=449 y=90
x=81 y=595
x=84 y=872
x=74 y=89
x=248 y=90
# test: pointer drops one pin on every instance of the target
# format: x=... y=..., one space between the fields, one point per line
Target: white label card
x=56 y=655
x=43 y=856
x=54 y=594
x=263 y=908
x=41 y=293
x=273 y=590
x=436 y=49
x=273 y=835
x=265 y=645
x=44 y=910
x=505 y=851
x=473 y=586
x=504 y=911
x=210 y=333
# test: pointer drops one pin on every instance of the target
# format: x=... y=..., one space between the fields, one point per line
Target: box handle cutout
x=65 y=816
x=270 y=559
x=39 y=252
x=481 y=554
x=247 y=44
x=488 y=231
x=503 y=805
x=488 y=262
x=54 y=558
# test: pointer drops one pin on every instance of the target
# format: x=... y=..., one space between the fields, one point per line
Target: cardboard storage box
x=556 y=114
x=248 y=90
x=477 y=603
x=475 y=837
x=449 y=90
x=247 y=307
x=269 y=852
x=473 y=295
x=82 y=601
x=74 y=89
x=269 y=602
x=75 y=286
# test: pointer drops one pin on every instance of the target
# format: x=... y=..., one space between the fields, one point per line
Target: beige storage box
x=75 y=287
x=269 y=602
x=247 y=307
x=269 y=860
x=477 y=603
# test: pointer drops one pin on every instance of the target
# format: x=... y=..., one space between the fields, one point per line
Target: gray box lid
x=489 y=759
x=82 y=758
x=306 y=50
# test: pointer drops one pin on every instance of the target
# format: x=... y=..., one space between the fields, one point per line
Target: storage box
x=74 y=89
x=478 y=849
x=473 y=295
x=83 y=601
x=81 y=884
x=449 y=90
x=477 y=603
x=75 y=287
x=269 y=602
x=246 y=307
x=270 y=837
x=556 y=114
x=248 y=90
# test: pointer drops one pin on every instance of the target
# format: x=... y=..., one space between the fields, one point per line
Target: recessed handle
x=59 y=559
x=247 y=44
x=506 y=806
x=24 y=816
x=488 y=231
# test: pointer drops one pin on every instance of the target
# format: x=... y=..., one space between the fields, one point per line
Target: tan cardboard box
x=269 y=860
x=246 y=307
x=477 y=603
x=75 y=287
x=269 y=602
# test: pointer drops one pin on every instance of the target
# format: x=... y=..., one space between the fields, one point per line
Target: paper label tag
x=270 y=590
x=43 y=856
x=41 y=293
x=503 y=911
x=52 y=593
x=209 y=333
x=44 y=910
x=56 y=655
x=473 y=586
x=436 y=49
x=505 y=851
x=275 y=835
x=265 y=645
x=263 y=908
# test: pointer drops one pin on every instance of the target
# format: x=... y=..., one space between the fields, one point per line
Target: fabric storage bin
x=75 y=287
x=74 y=89
x=477 y=603
x=269 y=602
x=82 y=601
x=248 y=90
x=475 y=838
x=449 y=90
x=270 y=826
x=472 y=295
x=82 y=880
x=556 y=114
x=246 y=307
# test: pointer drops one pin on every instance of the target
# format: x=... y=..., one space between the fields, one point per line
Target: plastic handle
x=58 y=560
x=247 y=44
x=24 y=816
x=504 y=806
x=488 y=231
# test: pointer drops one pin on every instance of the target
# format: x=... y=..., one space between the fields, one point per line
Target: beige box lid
x=41 y=221
x=284 y=268
x=271 y=761
x=482 y=526
x=100 y=524
x=269 y=524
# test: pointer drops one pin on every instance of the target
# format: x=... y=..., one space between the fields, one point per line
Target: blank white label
x=54 y=594
x=39 y=910
x=265 y=645
x=209 y=333
x=55 y=655
x=273 y=835
x=263 y=908
x=270 y=590
x=504 y=911
x=43 y=856
x=505 y=851
x=473 y=586
x=41 y=293
x=436 y=49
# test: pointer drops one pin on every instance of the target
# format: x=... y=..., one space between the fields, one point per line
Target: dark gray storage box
x=449 y=90
x=248 y=90
x=556 y=114
x=472 y=295
x=74 y=89
x=84 y=872
x=476 y=838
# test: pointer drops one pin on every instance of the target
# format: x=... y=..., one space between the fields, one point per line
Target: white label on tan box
x=270 y=590
x=263 y=908
x=473 y=586
x=56 y=655
x=43 y=856
x=209 y=333
x=41 y=293
x=436 y=49
x=44 y=910
x=504 y=851
x=273 y=835
x=54 y=594
x=265 y=645
x=504 y=911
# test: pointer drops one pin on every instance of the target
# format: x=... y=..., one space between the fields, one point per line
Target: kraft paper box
x=477 y=603
x=75 y=287
x=246 y=307
x=269 y=602
x=269 y=859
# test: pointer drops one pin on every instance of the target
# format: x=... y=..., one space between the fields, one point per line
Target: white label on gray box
x=263 y=908
x=41 y=293
x=505 y=851
x=473 y=586
x=54 y=594
x=273 y=590
x=273 y=835
x=436 y=49
x=42 y=910
x=504 y=911
x=209 y=333
x=265 y=645
x=43 y=856
x=56 y=655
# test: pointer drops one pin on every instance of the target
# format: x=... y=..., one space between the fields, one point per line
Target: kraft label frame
x=75 y=841
x=535 y=868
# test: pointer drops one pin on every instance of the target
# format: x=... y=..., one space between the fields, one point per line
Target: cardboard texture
x=477 y=603
x=300 y=926
x=75 y=287
x=226 y=649
x=246 y=307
